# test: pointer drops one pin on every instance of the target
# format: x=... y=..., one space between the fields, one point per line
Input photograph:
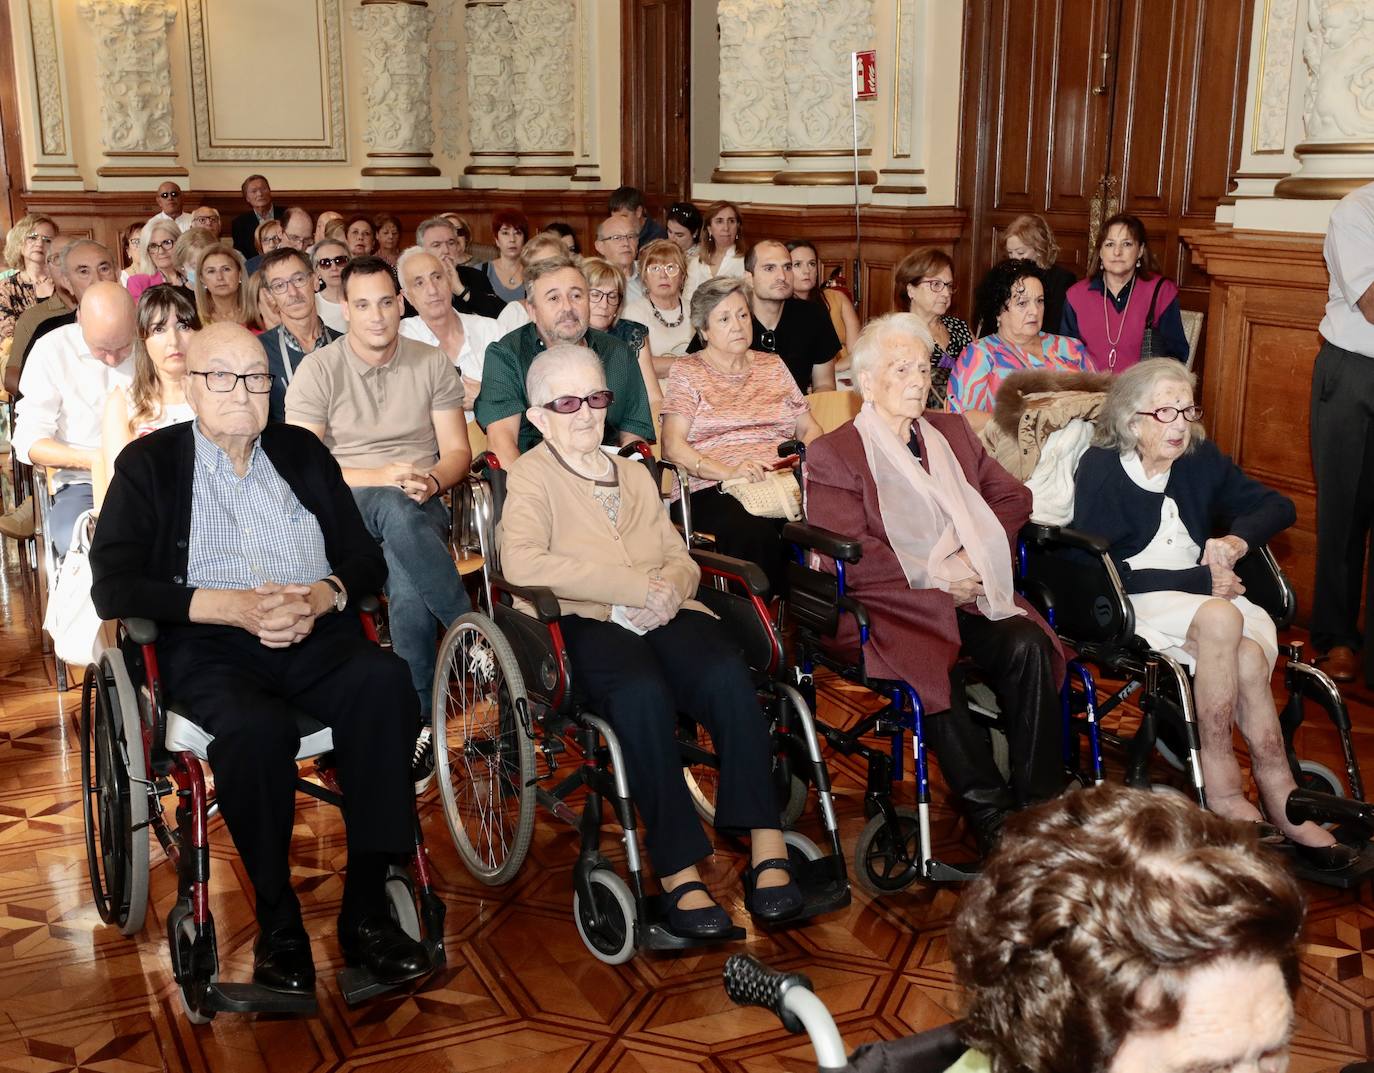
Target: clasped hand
x=1220 y=556
x=278 y=615
x=661 y=603
x=969 y=589
x=416 y=485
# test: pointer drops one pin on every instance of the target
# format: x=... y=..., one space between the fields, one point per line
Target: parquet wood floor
x=520 y=993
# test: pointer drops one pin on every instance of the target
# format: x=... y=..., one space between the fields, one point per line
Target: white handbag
x=71 y=621
x=778 y=495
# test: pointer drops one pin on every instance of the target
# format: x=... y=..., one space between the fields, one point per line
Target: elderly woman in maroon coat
x=938 y=520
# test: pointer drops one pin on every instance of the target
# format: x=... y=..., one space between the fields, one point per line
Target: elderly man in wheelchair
x=593 y=530
x=1154 y=491
x=243 y=545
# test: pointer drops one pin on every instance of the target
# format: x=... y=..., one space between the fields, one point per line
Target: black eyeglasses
x=164 y=244
x=1166 y=414
x=570 y=404
x=331 y=262
x=222 y=382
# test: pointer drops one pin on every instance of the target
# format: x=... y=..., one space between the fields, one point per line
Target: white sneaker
x=422 y=762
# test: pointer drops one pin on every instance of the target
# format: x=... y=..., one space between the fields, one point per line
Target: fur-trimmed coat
x=1031 y=405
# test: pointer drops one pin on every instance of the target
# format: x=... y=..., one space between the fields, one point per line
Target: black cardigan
x=142 y=540
x=1212 y=495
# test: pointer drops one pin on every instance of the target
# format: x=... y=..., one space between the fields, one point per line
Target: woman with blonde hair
x=222 y=285
x=155 y=398
x=156 y=261
x=1029 y=238
x=263 y=314
x=26 y=251
x=665 y=303
x=606 y=294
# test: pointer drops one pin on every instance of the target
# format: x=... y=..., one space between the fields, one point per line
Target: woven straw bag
x=776 y=496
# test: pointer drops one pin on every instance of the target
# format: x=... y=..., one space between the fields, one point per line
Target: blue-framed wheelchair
x=139 y=748
x=1070 y=577
x=530 y=741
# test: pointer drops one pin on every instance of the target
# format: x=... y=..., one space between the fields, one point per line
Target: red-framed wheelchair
x=139 y=749
x=492 y=779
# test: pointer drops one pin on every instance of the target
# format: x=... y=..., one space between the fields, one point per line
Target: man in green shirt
x=556 y=293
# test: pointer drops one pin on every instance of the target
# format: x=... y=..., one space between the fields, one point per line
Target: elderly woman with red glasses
x=1156 y=490
x=590 y=526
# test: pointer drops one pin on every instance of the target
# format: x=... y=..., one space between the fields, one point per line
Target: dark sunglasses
x=570 y=404
x=331 y=262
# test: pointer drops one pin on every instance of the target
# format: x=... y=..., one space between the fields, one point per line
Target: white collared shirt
x=514 y=316
x=183 y=221
x=478 y=334
x=63 y=389
x=1349 y=252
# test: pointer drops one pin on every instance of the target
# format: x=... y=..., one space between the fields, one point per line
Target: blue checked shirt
x=251 y=529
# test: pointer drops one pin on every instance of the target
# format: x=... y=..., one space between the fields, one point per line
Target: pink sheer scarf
x=930 y=517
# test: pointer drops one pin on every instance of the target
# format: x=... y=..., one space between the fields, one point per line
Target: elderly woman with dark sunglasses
x=1156 y=490
x=591 y=527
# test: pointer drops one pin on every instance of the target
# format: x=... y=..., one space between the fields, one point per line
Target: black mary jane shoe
x=1269 y=835
x=282 y=962
x=708 y=922
x=379 y=944
x=772 y=903
x=1334 y=858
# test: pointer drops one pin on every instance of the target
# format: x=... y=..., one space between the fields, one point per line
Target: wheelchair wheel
x=400 y=897
x=614 y=941
x=800 y=848
x=483 y=749
x=1319 y=777
x=194 y=964
x=115 y=798
x=888 y=860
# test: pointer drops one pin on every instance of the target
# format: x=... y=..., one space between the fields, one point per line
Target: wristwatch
x=340 y=597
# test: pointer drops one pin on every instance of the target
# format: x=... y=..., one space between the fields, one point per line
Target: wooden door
x=1073 y=107
x=656 y=59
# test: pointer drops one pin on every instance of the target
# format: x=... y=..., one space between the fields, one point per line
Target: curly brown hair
x=1093 y=911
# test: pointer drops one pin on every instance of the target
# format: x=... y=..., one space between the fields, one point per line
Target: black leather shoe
x=1335 y=858
x=282 y=962
x=379 y=944
x=772 y=903
x=986 y=822
x=708 y=922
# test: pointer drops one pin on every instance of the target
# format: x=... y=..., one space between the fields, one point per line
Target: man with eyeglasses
x=291 y=290
x=66 y=380
x=557 y=298
x=169 y=205
x=298 y=231
x=471 y=289
x=241 y=540
x=798 y=332
x=207 y=216
x=390 y=410
x=617 y=240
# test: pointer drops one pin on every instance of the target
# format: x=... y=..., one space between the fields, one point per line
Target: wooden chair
x=831 y=409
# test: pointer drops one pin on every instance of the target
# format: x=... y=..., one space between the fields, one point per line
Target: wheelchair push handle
x=749 y=982
x=791 y=448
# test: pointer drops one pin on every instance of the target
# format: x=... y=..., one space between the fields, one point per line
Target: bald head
x=106 y=316
x=226 y=342
x=236 y=414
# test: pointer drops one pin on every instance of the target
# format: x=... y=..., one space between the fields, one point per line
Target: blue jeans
x=70 y=502
x=422 y=584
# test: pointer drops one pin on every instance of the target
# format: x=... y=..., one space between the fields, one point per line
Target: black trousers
x=245 y=694
x=741 y=534
x=1343 y=465
x=639 y=684
x=1015 y=657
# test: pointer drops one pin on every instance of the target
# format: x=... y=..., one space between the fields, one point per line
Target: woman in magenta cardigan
x=1124 y=291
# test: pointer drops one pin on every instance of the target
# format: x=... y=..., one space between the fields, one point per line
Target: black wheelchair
x=138 y=748
x=501 y=699
x=1070 y=577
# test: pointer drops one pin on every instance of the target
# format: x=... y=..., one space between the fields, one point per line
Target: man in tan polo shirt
x=390 y=410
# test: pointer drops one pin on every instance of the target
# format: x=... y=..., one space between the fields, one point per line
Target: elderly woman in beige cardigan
x=592 y=528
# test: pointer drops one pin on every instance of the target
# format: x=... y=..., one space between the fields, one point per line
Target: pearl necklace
x=659 y=316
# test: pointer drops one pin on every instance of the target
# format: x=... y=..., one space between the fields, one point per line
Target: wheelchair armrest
x=484 y=461
x=369 y=604
x=1045 y=536
x=750 y=574
x=142 y=631
x=788 y=448
x=844 y=549
x=542 y=599
x=637 y=449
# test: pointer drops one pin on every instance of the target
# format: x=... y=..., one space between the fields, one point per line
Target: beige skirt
x=1163 y=619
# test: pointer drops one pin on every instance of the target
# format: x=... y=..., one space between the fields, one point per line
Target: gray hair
x=710 y=294
x=80 y=244
x=556 y=360
x=407 y=255
x=865 y=353
x=1116 y=420
x=547 y=266
x=315 y=249
x=431 y=224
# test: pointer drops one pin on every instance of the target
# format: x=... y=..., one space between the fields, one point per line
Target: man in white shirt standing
x=69 y=375
x=169 y=205
x=1343 y=438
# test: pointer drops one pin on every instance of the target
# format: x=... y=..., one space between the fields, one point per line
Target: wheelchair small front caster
x=887 y=857
x=607 y=926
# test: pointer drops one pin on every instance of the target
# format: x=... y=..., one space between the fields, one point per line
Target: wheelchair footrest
x=824 y=887
x=358 y=985
x=654 y=934
x=250 y=998
x=1346 y=879
x=939 y=872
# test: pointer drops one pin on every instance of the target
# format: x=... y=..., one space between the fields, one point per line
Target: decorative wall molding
x=395 y=38
x=447 y=68
x=543 y=83
x=332 y=147
x=1339 y=54
x=819 y=38
x=753 y=113
x=133 y=67
x=906 y=58
x=1270 y=131
x=491 y=96
x=47 y=67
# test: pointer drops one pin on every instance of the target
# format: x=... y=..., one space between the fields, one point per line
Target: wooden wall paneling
x=11 y=150
x=656 y=55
